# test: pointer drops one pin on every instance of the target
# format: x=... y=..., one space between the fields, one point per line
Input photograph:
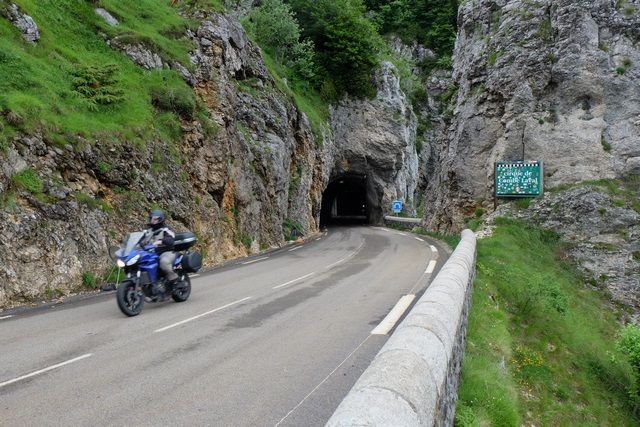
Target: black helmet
x=156 y=219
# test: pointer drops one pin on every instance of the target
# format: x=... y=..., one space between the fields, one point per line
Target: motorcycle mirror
x=112 y=253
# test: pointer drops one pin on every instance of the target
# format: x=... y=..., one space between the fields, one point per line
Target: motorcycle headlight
x=133 y=260
x=120 y=263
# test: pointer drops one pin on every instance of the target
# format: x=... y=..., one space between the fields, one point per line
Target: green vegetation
x=346 y=45
x=430 y=22
x=449 y=239
x=28 y=180
x=626 y=189
x=288 y=227
x=89 y=279
x=473 y=222
x=92 y=203
x=246 y=240
x=540 y=344
x=170 y=94
x=72 y=83
x=628 y=343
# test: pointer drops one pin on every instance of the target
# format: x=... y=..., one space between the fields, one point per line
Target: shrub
x=276 y=27
x=628 y=343
x=92 y=203
x=28 y=180
x=98 y=84
x=177 y=99
x=89 y=279
x=346 y=42
x=288 y=227
x=246 y=240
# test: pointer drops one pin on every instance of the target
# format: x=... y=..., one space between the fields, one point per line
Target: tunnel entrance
x=346 y=201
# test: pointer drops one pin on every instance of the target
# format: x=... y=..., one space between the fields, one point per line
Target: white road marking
x=323 y=381
x=294 y=280
x=347 y=257
x=392 y=318
x=294 y=249
x=256 y=260
x=201 y=315
x=42 y=371
x=384 y=229
x=401 y=234
x=431 y=266
x=193 y=275
x=319 y=238
x=337 y=262
x=6 y=317
x=434 y=249
x=417 y=238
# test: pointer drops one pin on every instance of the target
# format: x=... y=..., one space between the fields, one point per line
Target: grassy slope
x=540 y=347
x=36 y=82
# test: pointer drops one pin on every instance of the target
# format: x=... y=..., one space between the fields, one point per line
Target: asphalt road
x=276 y=339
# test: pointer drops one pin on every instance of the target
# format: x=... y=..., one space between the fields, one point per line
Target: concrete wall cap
x=409 y=376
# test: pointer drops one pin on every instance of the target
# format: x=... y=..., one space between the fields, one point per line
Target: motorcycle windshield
x=129 y=243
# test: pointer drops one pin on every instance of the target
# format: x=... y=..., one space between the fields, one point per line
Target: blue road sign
x=396 y=206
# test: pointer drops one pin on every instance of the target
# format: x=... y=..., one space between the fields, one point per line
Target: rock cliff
x=247 y=166
x=555 y=81
x=376 y=138
x=238 y=174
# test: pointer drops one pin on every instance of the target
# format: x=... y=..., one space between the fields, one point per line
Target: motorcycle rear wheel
x=182 y=290
x=129 y=300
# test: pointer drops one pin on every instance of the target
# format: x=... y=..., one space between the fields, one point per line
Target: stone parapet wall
x=413 y=379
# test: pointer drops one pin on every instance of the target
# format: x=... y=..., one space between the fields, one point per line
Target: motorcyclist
x=162 y=237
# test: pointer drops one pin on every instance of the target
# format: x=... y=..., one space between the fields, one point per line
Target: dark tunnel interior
x=346 y=201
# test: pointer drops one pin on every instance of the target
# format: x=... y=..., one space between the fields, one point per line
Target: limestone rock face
x=555 y=81
x=248 y=164
x=23 y=22
x=108 y=18
x=376 y=138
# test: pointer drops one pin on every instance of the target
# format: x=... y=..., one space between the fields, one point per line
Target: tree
x=430 y=22
x=347 y=43
x=276 y=27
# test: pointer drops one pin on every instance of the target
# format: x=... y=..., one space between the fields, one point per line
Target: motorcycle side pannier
x=184 y=241
x=191 y=262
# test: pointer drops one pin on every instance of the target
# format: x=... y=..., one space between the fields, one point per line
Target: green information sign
x=518 y=179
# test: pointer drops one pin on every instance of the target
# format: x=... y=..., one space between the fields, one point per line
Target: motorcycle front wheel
x=129 y=300
x=182 y=289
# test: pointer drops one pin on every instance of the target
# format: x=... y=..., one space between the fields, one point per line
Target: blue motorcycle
x=143 y=281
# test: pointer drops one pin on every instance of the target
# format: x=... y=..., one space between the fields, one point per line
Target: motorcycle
x=143 y=283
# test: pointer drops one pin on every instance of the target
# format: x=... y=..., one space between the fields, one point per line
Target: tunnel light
x=341 y=182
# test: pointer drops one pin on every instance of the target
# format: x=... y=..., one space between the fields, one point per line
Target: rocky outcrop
x=376 y=138
x=555 y=81
x=108 y=18
x=245 y=165
x=148 y=59
x=22 y=21
x=601 y=233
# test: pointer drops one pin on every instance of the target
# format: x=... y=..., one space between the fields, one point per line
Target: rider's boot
x=172 y=284
x=157 y=291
